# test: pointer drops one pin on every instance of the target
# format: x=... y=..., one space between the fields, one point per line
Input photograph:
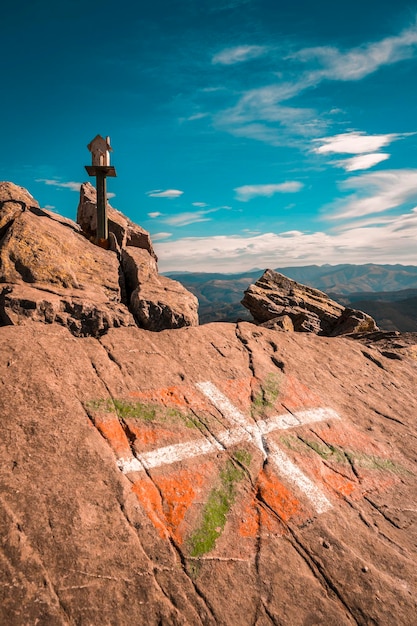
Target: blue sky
x=246 y=133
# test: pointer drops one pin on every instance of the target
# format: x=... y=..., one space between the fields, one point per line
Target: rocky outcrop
x=156 y=302
x=209 y=475
x=278 y=301
x=125 y=232
x=51 y=273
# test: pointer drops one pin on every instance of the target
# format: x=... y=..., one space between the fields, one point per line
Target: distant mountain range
x=387 y=292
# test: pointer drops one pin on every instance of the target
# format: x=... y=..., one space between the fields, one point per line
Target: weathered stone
x=353 y=321
x=283 y=322
x=13 y=201
x=126 y=232
x=157 y=302
x=310 y=310
x=84 y=315
x=50 y=272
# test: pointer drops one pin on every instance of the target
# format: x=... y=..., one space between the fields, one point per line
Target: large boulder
x=310 y=310
x=157 y=302
x=51 y=273
x=124 y=230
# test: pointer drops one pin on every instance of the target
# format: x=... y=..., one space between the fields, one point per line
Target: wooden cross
x=100 y=151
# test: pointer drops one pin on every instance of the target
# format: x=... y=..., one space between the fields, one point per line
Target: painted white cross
x=242 y=431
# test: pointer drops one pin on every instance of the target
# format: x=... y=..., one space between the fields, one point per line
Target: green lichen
x=243 y=457
x=267 y=395
x=339 y=455
x=124 y=409
x=216 y=509
x=147 y=412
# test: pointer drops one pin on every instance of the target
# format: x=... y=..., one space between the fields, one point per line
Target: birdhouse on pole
x=100 y=153
x=100 y=150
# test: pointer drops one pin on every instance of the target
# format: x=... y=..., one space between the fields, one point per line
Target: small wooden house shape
x=100 y=149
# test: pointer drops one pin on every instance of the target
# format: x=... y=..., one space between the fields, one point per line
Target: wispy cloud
x=200 y=204
x=362 y=162
x=260 y=115
x=164 y=193
x=110 y=195
x=355 y=143
x=247 y=192
x=59 y=184
x=238 y=54
x=187 y=218
x=154 y=214
x=361 y=61
x=263 y=113
x=196 y=116
x=377 y=192
x=160 y=236
x=391 y=242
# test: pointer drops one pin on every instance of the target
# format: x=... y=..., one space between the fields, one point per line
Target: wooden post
x=100 y=150
x=102 y=225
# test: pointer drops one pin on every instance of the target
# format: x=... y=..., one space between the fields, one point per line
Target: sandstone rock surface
x=310 y=310
x=50 y=272
x=133 y=492
x=225 y=474
x=157 y=302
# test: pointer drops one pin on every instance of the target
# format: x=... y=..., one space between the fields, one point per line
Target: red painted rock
x=146 y=477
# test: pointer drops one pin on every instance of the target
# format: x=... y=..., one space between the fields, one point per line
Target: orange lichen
x=149 y=497
x=277 y=496
x=343 y=486
x=146 y=435
x=113 y=432
x=178 y=492
x=167 y=499
x=277 y=504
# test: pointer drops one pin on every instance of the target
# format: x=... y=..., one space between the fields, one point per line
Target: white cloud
x=376 y=192
x=196 y=116
x=354 y=143
x=393 y=242
x=247 y=192
x=260 y=114
x=362 y=162
x=164 y=193
x=154 y=214
x=61 y=185
x=200 y=204
x=160 y=236
x=359 y=62
x=238 y=54
x=49 y=207
x=187 y=218
x=110 y=194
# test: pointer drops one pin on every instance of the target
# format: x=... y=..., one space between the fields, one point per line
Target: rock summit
x=227 y=474
x=50 y=271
